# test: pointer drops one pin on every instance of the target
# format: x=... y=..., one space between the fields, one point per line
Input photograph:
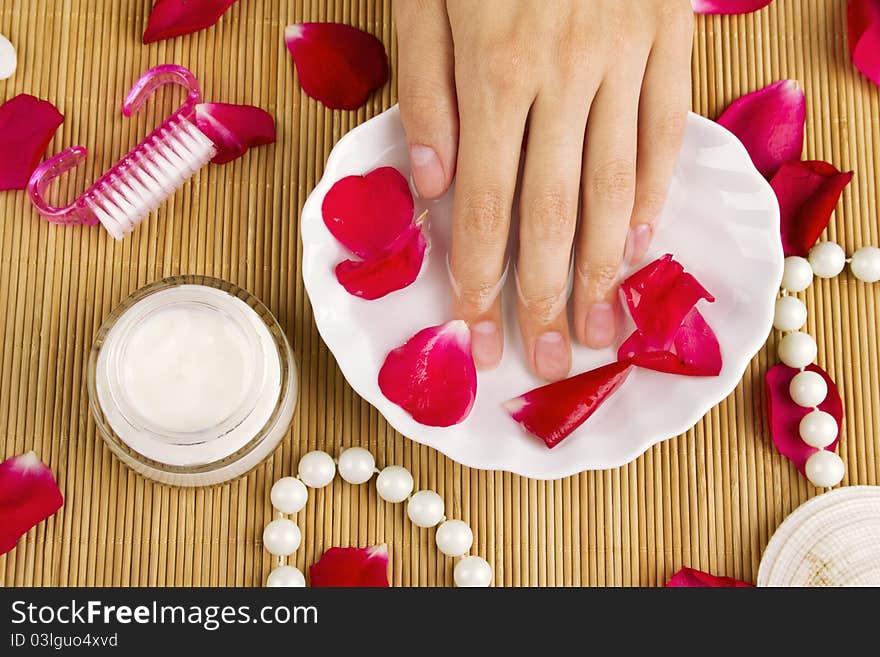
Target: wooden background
x=708 y=499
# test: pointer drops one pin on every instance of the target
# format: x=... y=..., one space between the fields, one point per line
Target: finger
x=548 y=217
x=663 y=107
x=607 y=192
x=492 y=114
x=426 y=89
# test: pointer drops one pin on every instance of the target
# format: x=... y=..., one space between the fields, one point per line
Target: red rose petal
x=337 y=64
x=553 y=411
x=863 y=22
x=28 y=495
x=351 y=567
x=381 y=275
x=785 y=416
x=27 y=125
x=807 y=193
x=171 y=18
x=694 y=350
x=659 y=296
x=692 y=578
x=728 y=6
x=432 y=377
x=770 y=124
x=671 y=335
x=367 y=213
x=234 y=128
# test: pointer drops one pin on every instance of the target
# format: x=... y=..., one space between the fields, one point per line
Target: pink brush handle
x=82 y=210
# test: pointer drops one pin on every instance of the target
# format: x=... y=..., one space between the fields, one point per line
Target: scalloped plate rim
x=373 y=396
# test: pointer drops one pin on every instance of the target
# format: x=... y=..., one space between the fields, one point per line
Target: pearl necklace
x=356 y=465
x=797 y=349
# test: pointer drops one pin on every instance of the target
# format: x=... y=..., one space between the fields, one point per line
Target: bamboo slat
x=710 y=498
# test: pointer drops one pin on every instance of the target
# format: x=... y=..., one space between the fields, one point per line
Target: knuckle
x=613 y=183
x=598 y=276
x=419 y=100
x=483 y=214
x=504 y=67
x=542 y=307
x=477 y=298
x=551 y=217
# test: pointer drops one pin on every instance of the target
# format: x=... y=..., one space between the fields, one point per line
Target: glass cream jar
x=192 y=381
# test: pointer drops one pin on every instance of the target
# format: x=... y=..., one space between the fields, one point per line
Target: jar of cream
x=192 y=381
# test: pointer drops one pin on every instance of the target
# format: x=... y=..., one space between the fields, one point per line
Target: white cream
x=188 y=376
x=185 y=368
x=8 y=59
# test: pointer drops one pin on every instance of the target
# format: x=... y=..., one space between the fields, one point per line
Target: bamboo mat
x=709 y=499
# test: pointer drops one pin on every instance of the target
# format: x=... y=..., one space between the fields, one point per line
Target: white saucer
x=721 y=222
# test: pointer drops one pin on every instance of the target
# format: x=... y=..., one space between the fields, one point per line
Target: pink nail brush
x=152 y=171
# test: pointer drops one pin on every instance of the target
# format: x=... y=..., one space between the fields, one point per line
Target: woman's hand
x=604 y=87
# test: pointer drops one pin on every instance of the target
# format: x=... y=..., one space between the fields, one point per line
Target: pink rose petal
x=863 y=22
x=671 y=335
x=807 y=193
x=234 y=128
x=337 y=64
x=368 y=213
x=694 y=350
x=785 y=416
x=27 y=125
x=351 y=567
x=728 y=6
x=171 y=18
x=394 y=270
x=552 y=412
x=691 y=578
x=659 y=296
x=432 y=377
x=28 y=495
x=770 y=124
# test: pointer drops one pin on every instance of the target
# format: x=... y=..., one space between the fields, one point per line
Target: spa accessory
x=191 y=381
x=146 y=176
x=811 y=389
x=394 y=484
x=8 y=59
x=830 y=540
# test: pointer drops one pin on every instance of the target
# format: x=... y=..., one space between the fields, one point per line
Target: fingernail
x=427 y=171
x=601 y=325
x=551 y=356
x=637 y=243
x=486 y=344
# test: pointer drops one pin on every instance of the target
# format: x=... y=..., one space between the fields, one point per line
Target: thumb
x=426 y=89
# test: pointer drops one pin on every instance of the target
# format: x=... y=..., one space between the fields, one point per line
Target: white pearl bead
x=827 y=259
x=865 y=264
x=472 y=571
x=281 y=537
x=818 y=429
x=790 y=315
x=797 y=274
x=394 y=483
x=454 y=538
x=425 y=508
x=289 y=495
x=797 y=349
x=317 y=469
x=286 y=576
x=824 y=469
x=356 y=465
x=808 y=389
